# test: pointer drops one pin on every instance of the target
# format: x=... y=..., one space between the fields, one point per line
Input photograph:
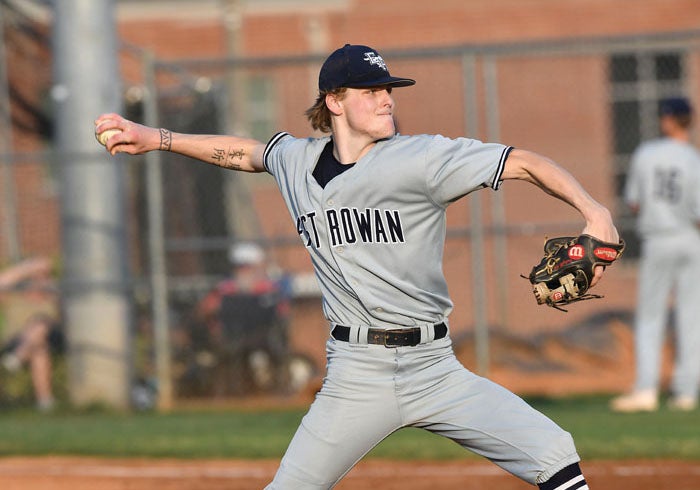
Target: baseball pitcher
x=369 y=206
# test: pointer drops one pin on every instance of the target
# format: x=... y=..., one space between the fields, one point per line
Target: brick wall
x=540 y=107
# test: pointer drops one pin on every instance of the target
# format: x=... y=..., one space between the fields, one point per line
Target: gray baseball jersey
x=375 y=234
x=664 y=181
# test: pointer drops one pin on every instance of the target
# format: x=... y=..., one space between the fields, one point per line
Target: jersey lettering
x=393 y=219
x=349 y=225
x=333 y=227
x=362 y=220
x=667 y=185
x=348 y=229
x=303 y=230
x=379 y=227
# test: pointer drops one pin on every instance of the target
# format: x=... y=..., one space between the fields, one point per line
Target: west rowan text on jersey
x=350 y=225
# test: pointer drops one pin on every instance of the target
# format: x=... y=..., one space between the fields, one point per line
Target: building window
x=639 y=81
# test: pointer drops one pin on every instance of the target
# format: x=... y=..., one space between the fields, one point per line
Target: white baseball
x=105 y=135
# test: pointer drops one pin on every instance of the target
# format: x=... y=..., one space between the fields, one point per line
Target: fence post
x=471 y=124
x=493 y=133
x=95 y=281
x=9 y=229
x=156 y=243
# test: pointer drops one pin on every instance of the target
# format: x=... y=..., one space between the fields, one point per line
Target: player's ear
x=333 y=104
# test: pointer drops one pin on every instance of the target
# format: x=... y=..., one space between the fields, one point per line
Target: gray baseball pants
x=370 y=391
x=669 y=263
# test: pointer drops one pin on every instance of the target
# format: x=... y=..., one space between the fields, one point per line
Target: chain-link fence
x=584 y=103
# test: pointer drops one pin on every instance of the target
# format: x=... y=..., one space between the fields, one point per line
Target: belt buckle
x=398 y=331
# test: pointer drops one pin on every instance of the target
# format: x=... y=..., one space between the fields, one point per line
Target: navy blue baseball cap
x=676 y=106
x=357 y=66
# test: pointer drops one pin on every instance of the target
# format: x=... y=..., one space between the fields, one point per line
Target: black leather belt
x=390 y=338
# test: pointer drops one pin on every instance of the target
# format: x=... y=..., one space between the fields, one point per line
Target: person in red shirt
x=246 y=318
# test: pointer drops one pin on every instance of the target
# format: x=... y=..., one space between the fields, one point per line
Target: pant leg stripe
x=572 y=484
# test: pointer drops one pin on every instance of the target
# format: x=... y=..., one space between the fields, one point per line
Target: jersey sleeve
x=459 y=166
x=272 y=154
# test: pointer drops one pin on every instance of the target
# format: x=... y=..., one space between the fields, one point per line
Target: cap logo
x=375 y=59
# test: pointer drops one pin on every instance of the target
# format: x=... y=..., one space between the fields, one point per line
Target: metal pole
x=236 y=122
x=9 y=204
x=241 y=215
x=471 y=123
x=156 y=244
x=95 y=288
x=498 y=210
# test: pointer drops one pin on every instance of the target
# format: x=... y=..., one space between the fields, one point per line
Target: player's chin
x=386 y=132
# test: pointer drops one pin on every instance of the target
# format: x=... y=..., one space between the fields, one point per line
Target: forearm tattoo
x=166 y=139
x=230 y=158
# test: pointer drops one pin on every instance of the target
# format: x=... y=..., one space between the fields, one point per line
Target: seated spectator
x=246 y=317
x=31 y=333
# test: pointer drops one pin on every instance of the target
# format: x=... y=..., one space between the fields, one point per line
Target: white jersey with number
x=376 y=232
x=664 y=181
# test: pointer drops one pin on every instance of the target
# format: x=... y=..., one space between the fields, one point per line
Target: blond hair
x=319 y=115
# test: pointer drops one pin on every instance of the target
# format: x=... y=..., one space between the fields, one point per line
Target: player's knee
x=558 y=452
x=564 y=443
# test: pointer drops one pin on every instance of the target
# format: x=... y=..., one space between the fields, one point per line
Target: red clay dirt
x=76 y=473
x=600 y=360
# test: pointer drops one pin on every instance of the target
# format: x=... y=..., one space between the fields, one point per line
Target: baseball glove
x=565 y=272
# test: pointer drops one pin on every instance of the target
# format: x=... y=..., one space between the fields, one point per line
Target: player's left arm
x=558 y=182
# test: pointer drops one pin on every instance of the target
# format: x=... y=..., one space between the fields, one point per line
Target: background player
x=370 y=206
x=663 y=187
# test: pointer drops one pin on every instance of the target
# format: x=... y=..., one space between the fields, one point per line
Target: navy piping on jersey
x=496 y=183
x=273 y=141
x=501 y=166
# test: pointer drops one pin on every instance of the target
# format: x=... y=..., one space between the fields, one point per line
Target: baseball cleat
x=682 y=403
x=637 y=401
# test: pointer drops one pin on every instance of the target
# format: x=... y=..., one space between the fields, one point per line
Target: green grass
x=598 y=433
x=189 y=434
